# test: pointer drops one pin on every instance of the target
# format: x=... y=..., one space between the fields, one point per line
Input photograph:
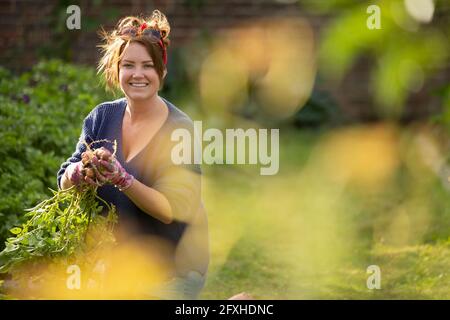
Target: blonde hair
x=134 y=29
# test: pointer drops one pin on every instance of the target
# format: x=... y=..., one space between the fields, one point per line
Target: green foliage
x=41 y=116
x=443 y=118
x=320 y=109
x=405 y=52
x=62 y=40
x=57 y=227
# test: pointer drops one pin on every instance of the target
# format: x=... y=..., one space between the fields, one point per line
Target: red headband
x=144 y=29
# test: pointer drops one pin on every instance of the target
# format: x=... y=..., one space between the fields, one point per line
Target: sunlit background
x=364 y=118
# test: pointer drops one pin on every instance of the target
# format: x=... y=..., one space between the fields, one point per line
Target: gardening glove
x=111 y=171
x=78 y=175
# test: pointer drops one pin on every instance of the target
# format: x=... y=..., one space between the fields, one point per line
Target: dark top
x=152 y=166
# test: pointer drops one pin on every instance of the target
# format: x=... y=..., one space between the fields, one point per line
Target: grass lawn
x=343 y=200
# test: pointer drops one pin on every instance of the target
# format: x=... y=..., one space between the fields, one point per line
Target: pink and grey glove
x=79 y=175
x=111 y=171
x=73 y=173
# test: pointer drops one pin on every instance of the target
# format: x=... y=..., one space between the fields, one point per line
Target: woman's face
x=137 y=75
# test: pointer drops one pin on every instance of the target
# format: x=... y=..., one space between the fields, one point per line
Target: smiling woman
x=157 y=201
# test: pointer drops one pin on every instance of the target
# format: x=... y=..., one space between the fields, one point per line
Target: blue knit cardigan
x=153 y=167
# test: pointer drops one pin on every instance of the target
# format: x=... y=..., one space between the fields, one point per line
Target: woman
x=153 y=196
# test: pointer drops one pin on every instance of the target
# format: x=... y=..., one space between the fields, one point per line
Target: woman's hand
x=79 y=175
x=109 y=170
x=73 y=173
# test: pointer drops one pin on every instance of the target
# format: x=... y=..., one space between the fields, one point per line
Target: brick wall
x=27 y=26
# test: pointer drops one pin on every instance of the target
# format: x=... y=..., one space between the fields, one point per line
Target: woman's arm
x=86 y=136
x=174 y=195
x=150 y=201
